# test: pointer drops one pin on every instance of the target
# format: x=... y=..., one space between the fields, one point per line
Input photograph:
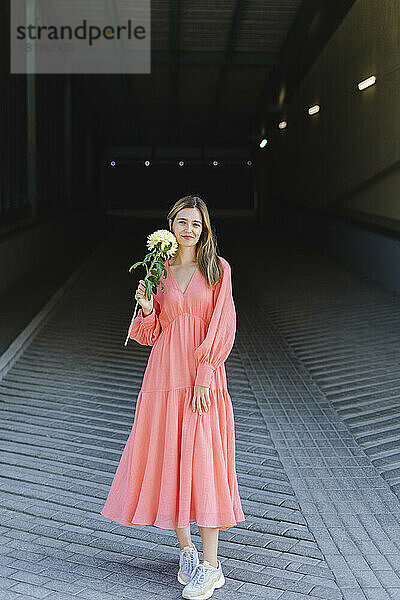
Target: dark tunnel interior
x=284 y=117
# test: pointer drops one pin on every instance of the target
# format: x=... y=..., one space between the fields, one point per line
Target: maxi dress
x=178 y=467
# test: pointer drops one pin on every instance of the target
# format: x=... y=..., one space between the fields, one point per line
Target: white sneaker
x=188 y=560
x=205 y=578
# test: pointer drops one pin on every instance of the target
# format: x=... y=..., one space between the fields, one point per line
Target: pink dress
x=178 y=467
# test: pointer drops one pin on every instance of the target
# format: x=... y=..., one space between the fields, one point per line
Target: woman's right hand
x=140 y=296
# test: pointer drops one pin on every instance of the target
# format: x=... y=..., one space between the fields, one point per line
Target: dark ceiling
x=215 y=69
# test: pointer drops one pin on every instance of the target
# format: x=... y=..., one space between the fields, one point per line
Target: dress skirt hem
x=170 y=528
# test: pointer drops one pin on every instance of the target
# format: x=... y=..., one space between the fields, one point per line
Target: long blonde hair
x=207 y=247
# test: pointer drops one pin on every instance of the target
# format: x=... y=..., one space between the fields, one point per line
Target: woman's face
x=187 y=226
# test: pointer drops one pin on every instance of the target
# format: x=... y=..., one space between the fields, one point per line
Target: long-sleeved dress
x=178 y=467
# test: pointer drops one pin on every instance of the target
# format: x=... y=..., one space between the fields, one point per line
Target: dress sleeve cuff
x=148 y=320
x=204 y=374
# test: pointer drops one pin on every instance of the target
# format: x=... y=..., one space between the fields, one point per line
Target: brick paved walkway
x=313 y=312
x=321 y=522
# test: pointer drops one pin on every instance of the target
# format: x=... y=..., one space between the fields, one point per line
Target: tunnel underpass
x=305 y=209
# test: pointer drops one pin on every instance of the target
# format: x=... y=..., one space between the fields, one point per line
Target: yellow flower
x=162 y=244
x=163 y=240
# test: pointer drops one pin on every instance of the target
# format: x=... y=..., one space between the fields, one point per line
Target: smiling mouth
x=188 y=237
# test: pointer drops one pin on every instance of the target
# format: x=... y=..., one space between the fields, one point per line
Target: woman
x=178 y=465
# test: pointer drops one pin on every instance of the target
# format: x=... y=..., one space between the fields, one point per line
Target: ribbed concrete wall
x=348 y=154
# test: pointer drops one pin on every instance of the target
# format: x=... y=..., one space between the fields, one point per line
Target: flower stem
x=137 y=303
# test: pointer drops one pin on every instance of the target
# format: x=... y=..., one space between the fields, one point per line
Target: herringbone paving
x=67 y=407
x=314 y=319
x=346 y=330
x=321 y=522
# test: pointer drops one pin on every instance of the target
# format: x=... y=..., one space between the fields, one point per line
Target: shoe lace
x=198 y=574
x=188 y=559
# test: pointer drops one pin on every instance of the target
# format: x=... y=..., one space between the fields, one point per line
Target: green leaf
x=158 y=268
x=149 y=257
x=135 y=265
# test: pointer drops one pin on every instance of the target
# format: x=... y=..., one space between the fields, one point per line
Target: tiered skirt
x=177 y=467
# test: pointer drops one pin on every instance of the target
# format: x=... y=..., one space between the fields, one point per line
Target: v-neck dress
x=178 y=467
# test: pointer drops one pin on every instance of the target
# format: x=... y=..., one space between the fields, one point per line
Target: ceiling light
x=263 y=143
x=366 y=82
x=313 y=109
x=282 y=125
